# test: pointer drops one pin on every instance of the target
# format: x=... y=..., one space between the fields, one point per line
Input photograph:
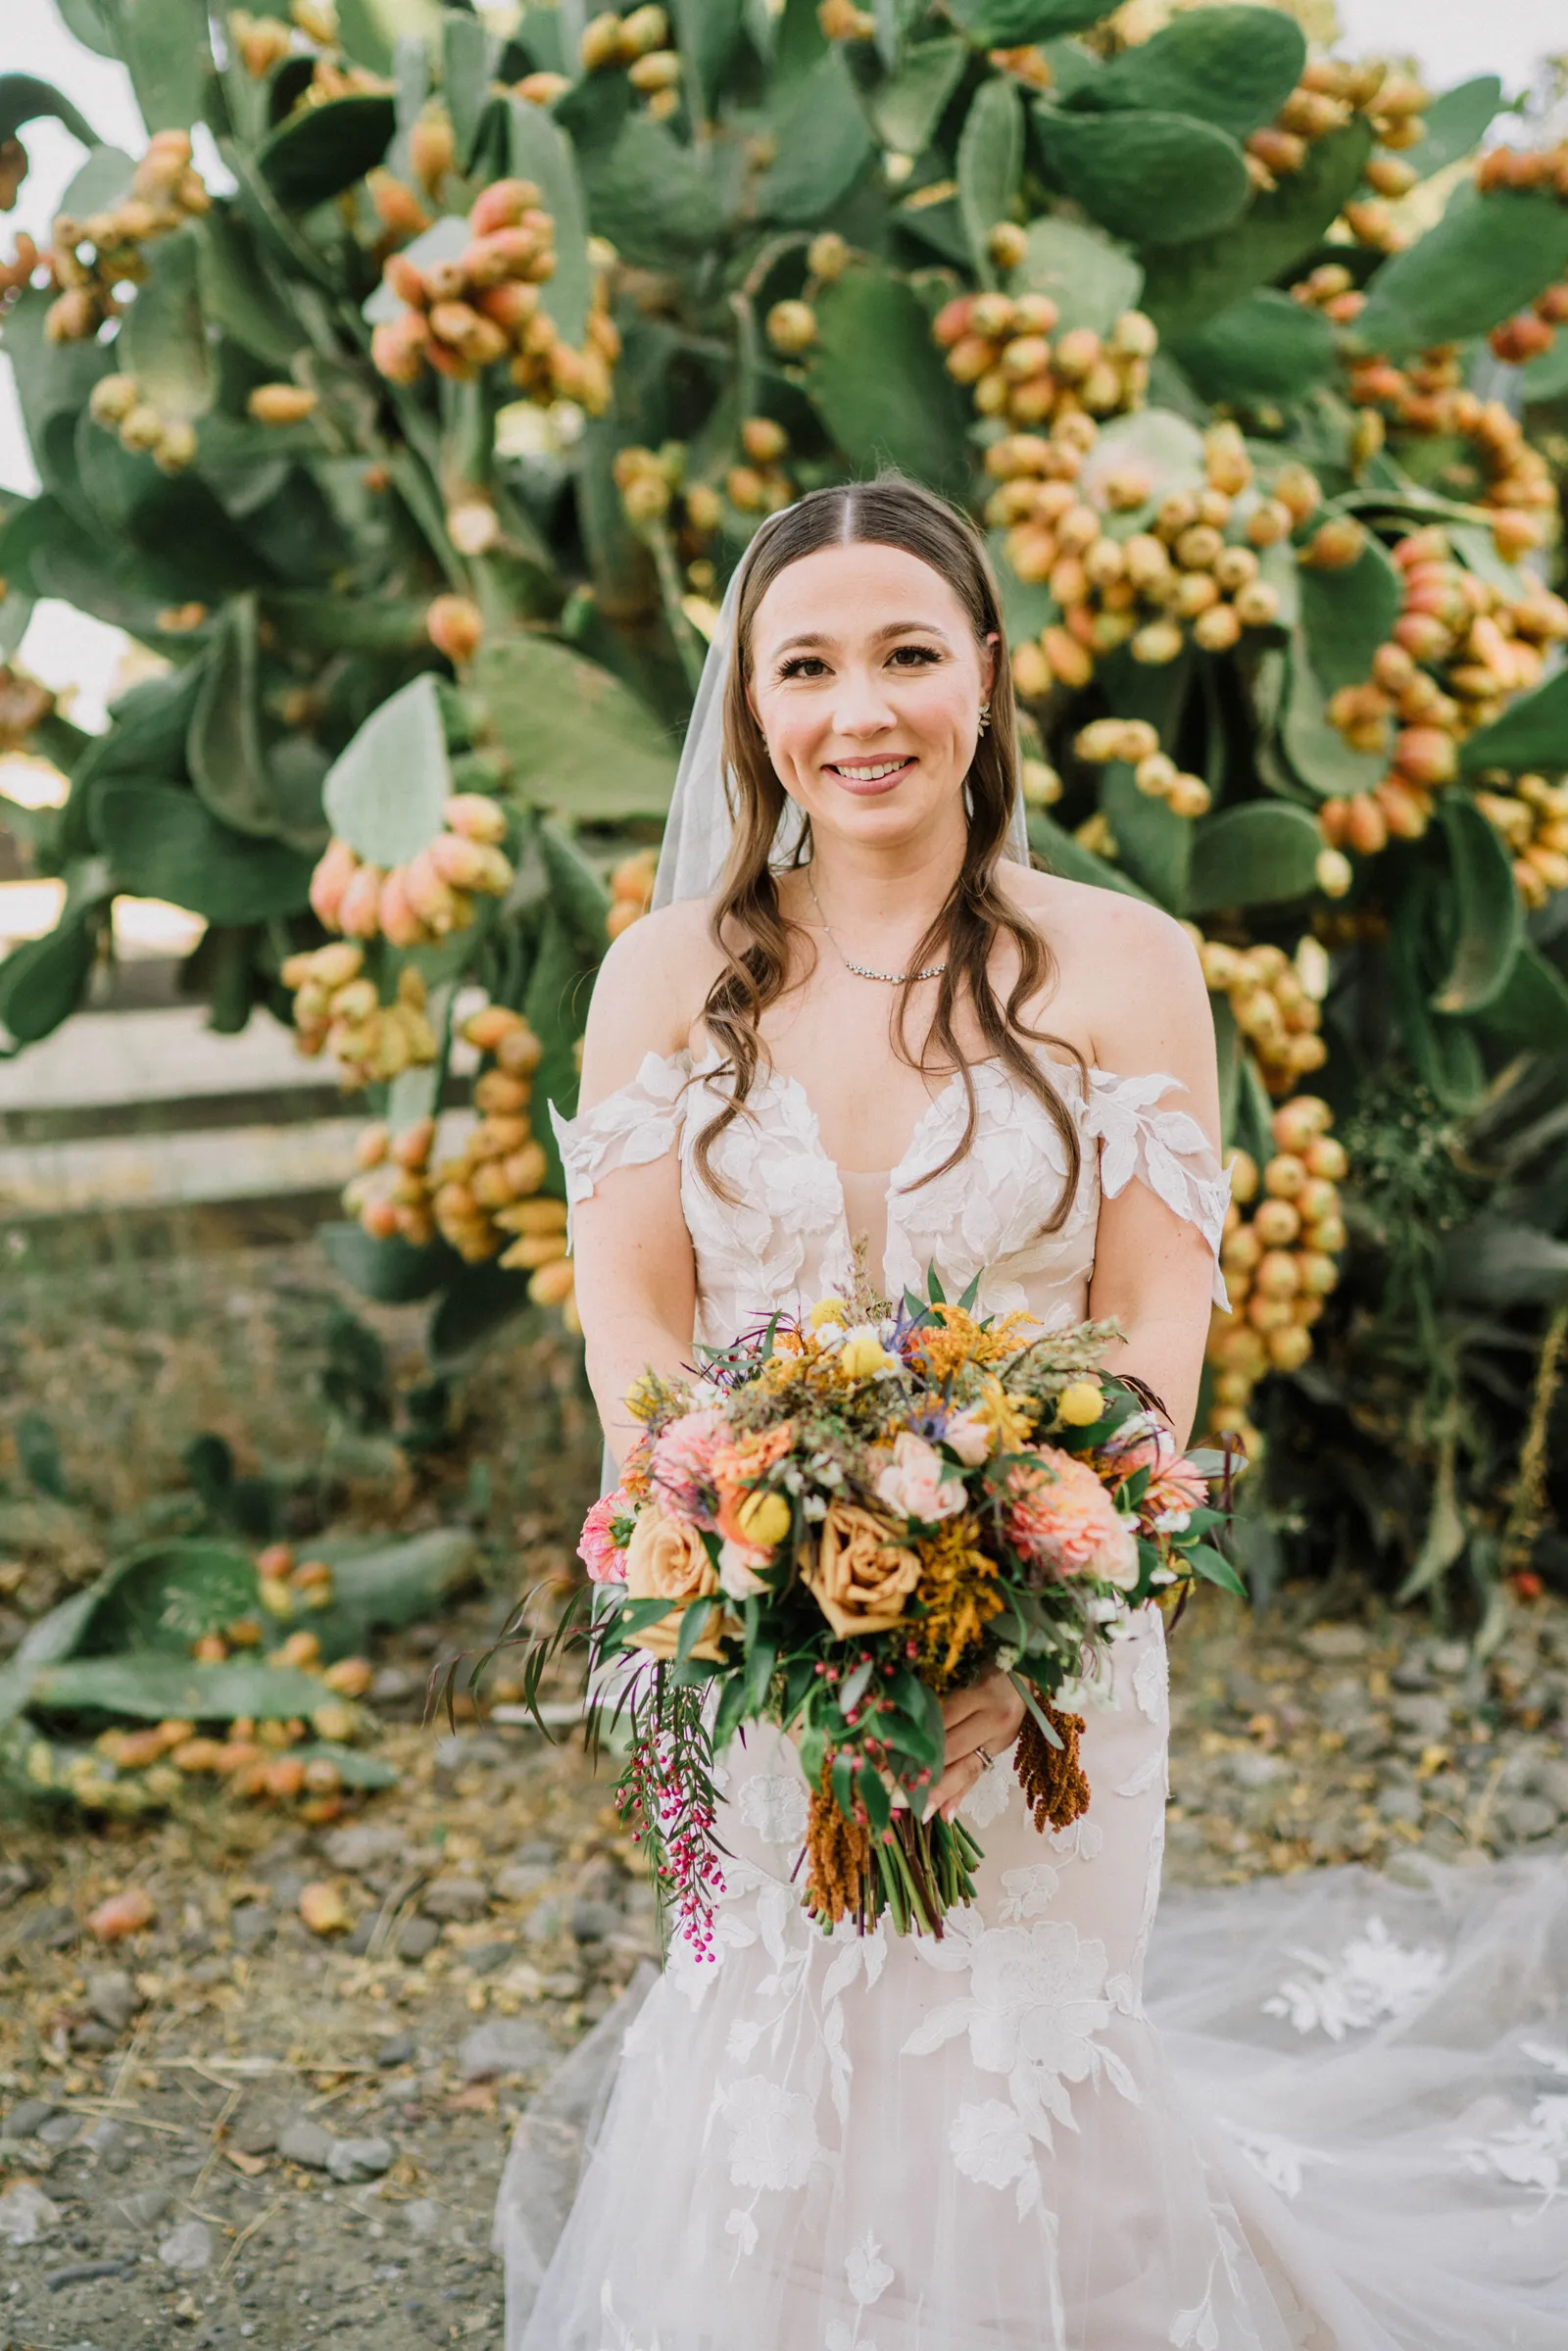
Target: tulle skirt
x=1333 y=2118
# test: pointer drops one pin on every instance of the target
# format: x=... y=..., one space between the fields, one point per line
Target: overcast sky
x=1452 y=38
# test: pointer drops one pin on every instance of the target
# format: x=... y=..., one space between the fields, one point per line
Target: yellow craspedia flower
x=643 y=1396
x=862 y=1359
x=827 y=1311
x=764 y=1519
x=1081 y=1404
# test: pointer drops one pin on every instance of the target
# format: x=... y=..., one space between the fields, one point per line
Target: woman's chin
x=889 y=818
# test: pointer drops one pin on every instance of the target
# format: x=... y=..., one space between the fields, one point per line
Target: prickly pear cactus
x=421 y=448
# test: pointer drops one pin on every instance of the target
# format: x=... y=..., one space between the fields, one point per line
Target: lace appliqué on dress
x=1374 y=1980
x=630 y=1128
x=1532 y=2153
x=1167 y=1148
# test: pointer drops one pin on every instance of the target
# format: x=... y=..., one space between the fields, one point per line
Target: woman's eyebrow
x=894 y=628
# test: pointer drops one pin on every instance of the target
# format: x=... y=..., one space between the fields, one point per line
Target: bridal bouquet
x=835 y=1524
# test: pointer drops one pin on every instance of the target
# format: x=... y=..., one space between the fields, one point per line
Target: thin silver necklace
x=891 y=979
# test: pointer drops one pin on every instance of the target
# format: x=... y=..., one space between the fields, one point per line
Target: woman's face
x=867 y=681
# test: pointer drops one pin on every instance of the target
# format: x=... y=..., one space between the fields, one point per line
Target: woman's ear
x=988 y=664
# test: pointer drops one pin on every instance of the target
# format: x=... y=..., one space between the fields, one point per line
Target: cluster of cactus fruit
x=485 y=367
x=1279 y=1259
x=1460 y=649
x=1188 y=566
x=432 y=895
x=483 y=306
x=89 y=262
x=339 y=1010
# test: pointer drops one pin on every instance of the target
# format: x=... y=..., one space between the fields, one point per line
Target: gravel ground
x=229 y=2129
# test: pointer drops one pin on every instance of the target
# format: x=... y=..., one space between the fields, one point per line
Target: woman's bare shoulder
x=651 y=989
x=1079 y=920
x=1117 y=958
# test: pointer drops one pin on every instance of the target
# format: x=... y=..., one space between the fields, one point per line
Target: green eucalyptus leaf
x=163 y=843
x=1263 y=348
x=1260 y=854
x=1157 y=178
x=1488 y=257
x=1190 y=283
x=1455 y=123
x=386 y=791
x=990 y=165
x=1488 y=918
x=824 y=143
x=315 y=154
x=1532 y=732
x=1233 y=66
x=907 y=107
x=905 y=411
x=1346 y=614
x=579 y=741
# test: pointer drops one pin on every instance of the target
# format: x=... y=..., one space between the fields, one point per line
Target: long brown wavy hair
x=748 y=924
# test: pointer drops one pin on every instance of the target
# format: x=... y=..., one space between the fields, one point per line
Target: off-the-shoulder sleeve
x=639 y=1122
x=1167 y=1148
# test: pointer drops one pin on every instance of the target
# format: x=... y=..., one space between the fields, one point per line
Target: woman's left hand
x=988 y=1714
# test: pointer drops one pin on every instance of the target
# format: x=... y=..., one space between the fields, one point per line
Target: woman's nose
x=862 y=705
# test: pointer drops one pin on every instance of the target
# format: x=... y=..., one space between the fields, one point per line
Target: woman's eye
x=914 y=657
x=805 y=664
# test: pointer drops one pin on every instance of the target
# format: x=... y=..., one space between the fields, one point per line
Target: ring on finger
x=987 y=1759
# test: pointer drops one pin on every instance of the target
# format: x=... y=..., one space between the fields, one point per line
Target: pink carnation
x=598 y=1548
x=682 y=1464
x=1061 y=1515
x=1175 y=1488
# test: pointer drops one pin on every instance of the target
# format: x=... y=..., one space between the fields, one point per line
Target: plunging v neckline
x=786 y=1083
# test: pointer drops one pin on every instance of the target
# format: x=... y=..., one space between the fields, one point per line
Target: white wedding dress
x=1349 y=2131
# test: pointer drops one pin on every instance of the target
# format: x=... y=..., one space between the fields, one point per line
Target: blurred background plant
x=417 y=434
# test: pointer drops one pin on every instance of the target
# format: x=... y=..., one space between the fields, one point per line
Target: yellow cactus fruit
x=335 y=1721
x=792 y=327
x=281 y=404
x=211 y=1649
x=552 y=1285
x=299 y=1650
x=322 y=1908
x=349 y=1677
x=455 y=626
x=275 y=1596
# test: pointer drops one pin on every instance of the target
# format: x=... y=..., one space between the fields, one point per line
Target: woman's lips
x=883 y=778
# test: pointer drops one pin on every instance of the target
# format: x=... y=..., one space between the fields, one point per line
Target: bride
x=860 y=1020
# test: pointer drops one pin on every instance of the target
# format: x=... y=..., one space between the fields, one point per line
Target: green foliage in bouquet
x=419 y=441
x=840 y=1522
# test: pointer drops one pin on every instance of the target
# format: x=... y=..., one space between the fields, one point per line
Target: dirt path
x=231 y=2130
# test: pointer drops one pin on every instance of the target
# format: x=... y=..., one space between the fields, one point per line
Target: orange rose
x=667 y=1560
x=860 y=1576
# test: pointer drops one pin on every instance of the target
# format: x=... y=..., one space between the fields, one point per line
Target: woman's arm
x=1153 y=1269
x=636 y=1277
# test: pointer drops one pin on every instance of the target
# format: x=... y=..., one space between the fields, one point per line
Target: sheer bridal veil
x=697 y=834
